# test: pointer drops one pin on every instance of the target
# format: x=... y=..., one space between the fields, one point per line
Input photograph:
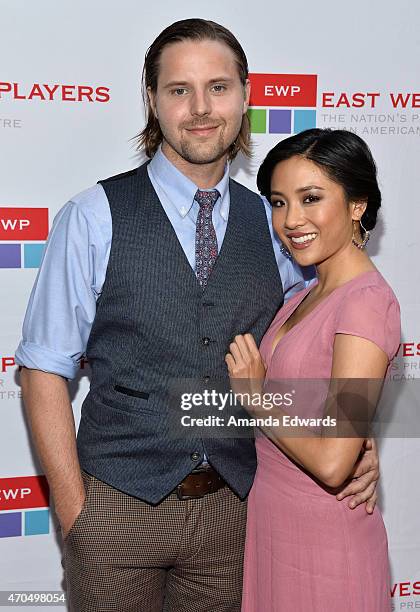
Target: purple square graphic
x=10 y=524
x=10 y=256
x=280 y=121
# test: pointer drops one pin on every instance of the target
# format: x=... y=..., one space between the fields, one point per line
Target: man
x=150 y=521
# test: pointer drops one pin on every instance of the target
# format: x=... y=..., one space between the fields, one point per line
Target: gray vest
x=154 y=324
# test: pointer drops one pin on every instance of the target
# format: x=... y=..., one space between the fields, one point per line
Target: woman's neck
x=340 y=268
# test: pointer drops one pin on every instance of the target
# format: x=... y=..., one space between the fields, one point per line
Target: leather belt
x=200 y=482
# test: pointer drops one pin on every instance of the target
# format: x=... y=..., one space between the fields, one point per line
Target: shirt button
x=206 y=341
x=195 y=456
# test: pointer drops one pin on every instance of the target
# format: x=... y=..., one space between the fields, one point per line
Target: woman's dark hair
x=342 y=155
x=188 y=29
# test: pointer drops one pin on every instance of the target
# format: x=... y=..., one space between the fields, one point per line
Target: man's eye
x=179 y=91
x=219 y=88
x=277 y=203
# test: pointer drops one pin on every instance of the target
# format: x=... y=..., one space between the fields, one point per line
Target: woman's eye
x=277 y=203
x=311 y=198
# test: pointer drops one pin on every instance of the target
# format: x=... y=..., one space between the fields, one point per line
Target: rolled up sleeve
x=62 y=303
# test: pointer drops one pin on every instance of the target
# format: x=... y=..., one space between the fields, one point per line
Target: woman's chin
x=304 y=259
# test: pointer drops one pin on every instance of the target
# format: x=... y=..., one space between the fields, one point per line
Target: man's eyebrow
x=175 y=84
x=221 y=79
x=300 y=190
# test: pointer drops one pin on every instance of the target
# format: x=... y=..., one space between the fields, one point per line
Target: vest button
x=205 y=341
x=206 y=378
x=195 y=456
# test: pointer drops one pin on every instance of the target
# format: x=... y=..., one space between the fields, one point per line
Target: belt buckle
x=182 y=497
x=202 y=468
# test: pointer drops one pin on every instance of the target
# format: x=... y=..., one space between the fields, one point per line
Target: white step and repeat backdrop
x=70 y=102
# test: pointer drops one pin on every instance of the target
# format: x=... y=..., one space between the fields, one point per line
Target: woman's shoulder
x=368 y=307
x=369 y=286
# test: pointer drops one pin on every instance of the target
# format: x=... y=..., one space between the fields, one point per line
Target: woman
x=305 y=551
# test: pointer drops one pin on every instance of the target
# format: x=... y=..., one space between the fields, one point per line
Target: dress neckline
x=304 y=295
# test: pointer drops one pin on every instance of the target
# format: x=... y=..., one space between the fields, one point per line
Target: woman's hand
x=246 y=367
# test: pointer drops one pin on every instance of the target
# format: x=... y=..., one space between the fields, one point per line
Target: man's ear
x=152 y=100
x=247 y=93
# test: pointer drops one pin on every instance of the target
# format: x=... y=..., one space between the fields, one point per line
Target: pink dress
x=305 y=551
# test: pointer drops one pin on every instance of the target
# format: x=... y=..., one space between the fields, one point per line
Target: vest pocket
x=133 y=392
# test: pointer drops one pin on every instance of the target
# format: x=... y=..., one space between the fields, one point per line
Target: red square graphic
x=23 y=223
x=24 y=492
x=283 y=90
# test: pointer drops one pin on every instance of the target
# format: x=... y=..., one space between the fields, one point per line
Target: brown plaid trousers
x=125 y=555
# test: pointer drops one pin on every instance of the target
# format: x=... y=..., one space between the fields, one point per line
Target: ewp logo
x=22 y=224
x=27 y=494
x=294 y=93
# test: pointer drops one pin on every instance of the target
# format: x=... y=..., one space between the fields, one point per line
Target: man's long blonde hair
x=149 y=139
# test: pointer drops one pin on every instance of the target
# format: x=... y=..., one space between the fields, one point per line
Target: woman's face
x=310 y=212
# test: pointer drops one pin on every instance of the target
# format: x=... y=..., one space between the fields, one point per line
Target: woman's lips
x=303 y=241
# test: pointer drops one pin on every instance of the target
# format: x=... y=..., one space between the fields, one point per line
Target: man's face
x=200 y=100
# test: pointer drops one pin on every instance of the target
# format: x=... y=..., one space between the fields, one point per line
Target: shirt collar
x=180 y=190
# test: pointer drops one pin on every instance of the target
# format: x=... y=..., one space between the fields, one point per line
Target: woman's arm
x=329 y=459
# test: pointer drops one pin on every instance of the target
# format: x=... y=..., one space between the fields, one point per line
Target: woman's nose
x=294 y=217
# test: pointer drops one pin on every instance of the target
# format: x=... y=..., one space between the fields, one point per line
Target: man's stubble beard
x=192 y=154
x=195 y=155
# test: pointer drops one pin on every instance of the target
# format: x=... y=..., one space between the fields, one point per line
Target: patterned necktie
x=205 y=235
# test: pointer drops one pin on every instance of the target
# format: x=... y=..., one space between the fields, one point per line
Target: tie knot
x=206 y=199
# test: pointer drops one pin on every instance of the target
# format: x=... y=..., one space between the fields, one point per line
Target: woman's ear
x=359 y=207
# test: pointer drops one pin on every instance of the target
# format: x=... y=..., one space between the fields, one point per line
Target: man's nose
x=200 y=103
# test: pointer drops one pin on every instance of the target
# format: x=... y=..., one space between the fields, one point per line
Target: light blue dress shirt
x=62 y=303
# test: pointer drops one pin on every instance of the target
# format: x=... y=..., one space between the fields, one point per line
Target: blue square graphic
x=9 y=255
x=280 y=121
x=304 y=120
x=33 y=255
x=10 y=524
x=37 y=522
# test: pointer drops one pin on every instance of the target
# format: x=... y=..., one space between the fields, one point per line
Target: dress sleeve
x=371 y=312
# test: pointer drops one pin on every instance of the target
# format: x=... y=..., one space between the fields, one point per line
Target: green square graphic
x=258 y=119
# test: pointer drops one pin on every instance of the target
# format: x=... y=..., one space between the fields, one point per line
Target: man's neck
x=205 y=176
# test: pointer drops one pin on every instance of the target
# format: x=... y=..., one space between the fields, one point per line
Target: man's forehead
x=192 y=58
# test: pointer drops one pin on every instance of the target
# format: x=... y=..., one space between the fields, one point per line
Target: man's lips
x=203 y=130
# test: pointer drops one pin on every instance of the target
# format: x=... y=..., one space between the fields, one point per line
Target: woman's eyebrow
x=307 y=188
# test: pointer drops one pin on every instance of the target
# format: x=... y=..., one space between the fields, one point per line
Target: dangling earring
x=360 y=245
x=285 y=251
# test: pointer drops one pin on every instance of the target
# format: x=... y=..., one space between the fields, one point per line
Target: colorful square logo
x=22 y=224
x=289 y=101
x=24 y=506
